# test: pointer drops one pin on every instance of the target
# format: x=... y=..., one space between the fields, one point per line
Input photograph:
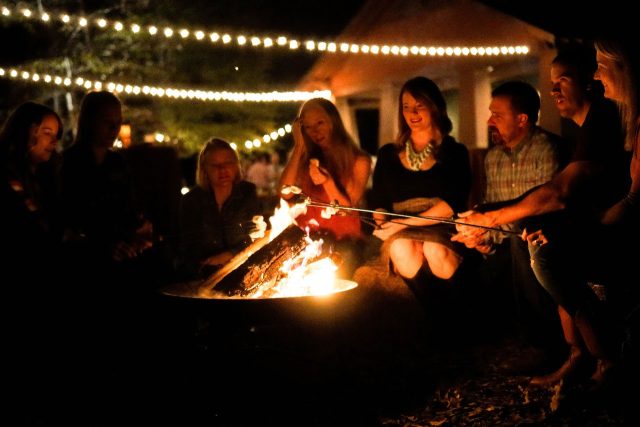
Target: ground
x=356 y=359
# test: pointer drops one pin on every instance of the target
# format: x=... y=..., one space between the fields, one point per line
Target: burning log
x=258 y=266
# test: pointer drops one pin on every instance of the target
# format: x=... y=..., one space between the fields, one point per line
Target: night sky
x=571 y=18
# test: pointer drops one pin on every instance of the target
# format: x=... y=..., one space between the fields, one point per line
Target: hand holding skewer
x=380 y=217
x=388 y=229
x=472 y=237
x=473 y=224
x=536 y=238
x=290 y=189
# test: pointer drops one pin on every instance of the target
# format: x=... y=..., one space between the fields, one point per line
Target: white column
x=348 y=116
x=474 y=98
x=388 y=111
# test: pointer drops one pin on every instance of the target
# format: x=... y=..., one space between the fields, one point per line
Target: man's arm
x=549 y=197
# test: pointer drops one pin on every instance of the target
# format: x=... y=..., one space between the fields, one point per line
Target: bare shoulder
x=362 y=160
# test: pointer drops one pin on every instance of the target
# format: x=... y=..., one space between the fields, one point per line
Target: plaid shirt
x=511 y=173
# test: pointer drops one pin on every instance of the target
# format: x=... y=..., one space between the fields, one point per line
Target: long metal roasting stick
x=310 y=202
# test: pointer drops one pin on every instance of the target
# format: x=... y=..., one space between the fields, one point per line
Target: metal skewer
x=451 y=220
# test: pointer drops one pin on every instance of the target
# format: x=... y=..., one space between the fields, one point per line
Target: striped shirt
x=512 y=172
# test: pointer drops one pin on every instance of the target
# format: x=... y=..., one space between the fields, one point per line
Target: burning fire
x=305 y=274
x=284 y=216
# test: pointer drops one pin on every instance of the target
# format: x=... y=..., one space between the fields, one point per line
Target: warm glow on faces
x=606 y=73
x=416 y=113
x=316 y=123
x=566 y=91
x=107 y=126
x=503 y=122
x=44 y=138
x=221 y=167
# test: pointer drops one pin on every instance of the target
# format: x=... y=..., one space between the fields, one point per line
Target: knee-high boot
x=439 y=299
x=427 y=288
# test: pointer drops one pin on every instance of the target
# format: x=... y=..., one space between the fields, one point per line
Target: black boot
x=428 y=289
x=439 y=298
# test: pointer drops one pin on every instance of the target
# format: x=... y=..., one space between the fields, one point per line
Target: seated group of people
x=555 y=200
x=421 y=183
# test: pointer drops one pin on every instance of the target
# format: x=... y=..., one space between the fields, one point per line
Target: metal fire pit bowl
x=314 y=309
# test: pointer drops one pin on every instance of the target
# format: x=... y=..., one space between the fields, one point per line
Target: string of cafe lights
x=266 y=42
x=267 y=138
x=160 y=92
x=152 y=91
x=249 y=144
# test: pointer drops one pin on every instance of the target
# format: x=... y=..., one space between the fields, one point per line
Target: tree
x=141 y=59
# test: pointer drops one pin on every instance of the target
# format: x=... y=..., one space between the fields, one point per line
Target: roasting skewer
x=290 y=189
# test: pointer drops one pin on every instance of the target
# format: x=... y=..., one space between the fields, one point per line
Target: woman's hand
x=379 y=217
x=318 y=174
x=141 y=241
x=290 y=175
x=298 y=138
x=388 y=229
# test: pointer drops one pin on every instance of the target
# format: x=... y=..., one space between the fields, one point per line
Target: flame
x=283 y=217
x=305 y=274
x=316 y=278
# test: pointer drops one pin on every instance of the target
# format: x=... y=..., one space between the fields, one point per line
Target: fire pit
x=282 y=262
x=191 y=290
x=285 y=269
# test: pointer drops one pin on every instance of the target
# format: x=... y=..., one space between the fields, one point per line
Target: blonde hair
x=626 y=72
x=213 y=144
x=339 y=160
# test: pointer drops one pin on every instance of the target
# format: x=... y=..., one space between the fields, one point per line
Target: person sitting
x=330 y=168
x=100 y=210
x=619 y=71
x=424 y=173
x=35 y=340
x=563 y=259
x=216 y=214
x=31 y=225
x=523 y=156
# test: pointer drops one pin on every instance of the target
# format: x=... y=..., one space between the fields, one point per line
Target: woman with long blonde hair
x=619 y=70
x=329 y=167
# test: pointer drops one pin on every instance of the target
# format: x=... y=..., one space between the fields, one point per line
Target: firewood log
x=255 y=267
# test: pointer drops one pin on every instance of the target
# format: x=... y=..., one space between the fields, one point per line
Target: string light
x=268 y=137
x=161 y=92
x=266 y=42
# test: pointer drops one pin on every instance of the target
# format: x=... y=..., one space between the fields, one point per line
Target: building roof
x=422 y=23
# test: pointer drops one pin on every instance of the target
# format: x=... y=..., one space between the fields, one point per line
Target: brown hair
x=427 y=92
x=15 y=134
